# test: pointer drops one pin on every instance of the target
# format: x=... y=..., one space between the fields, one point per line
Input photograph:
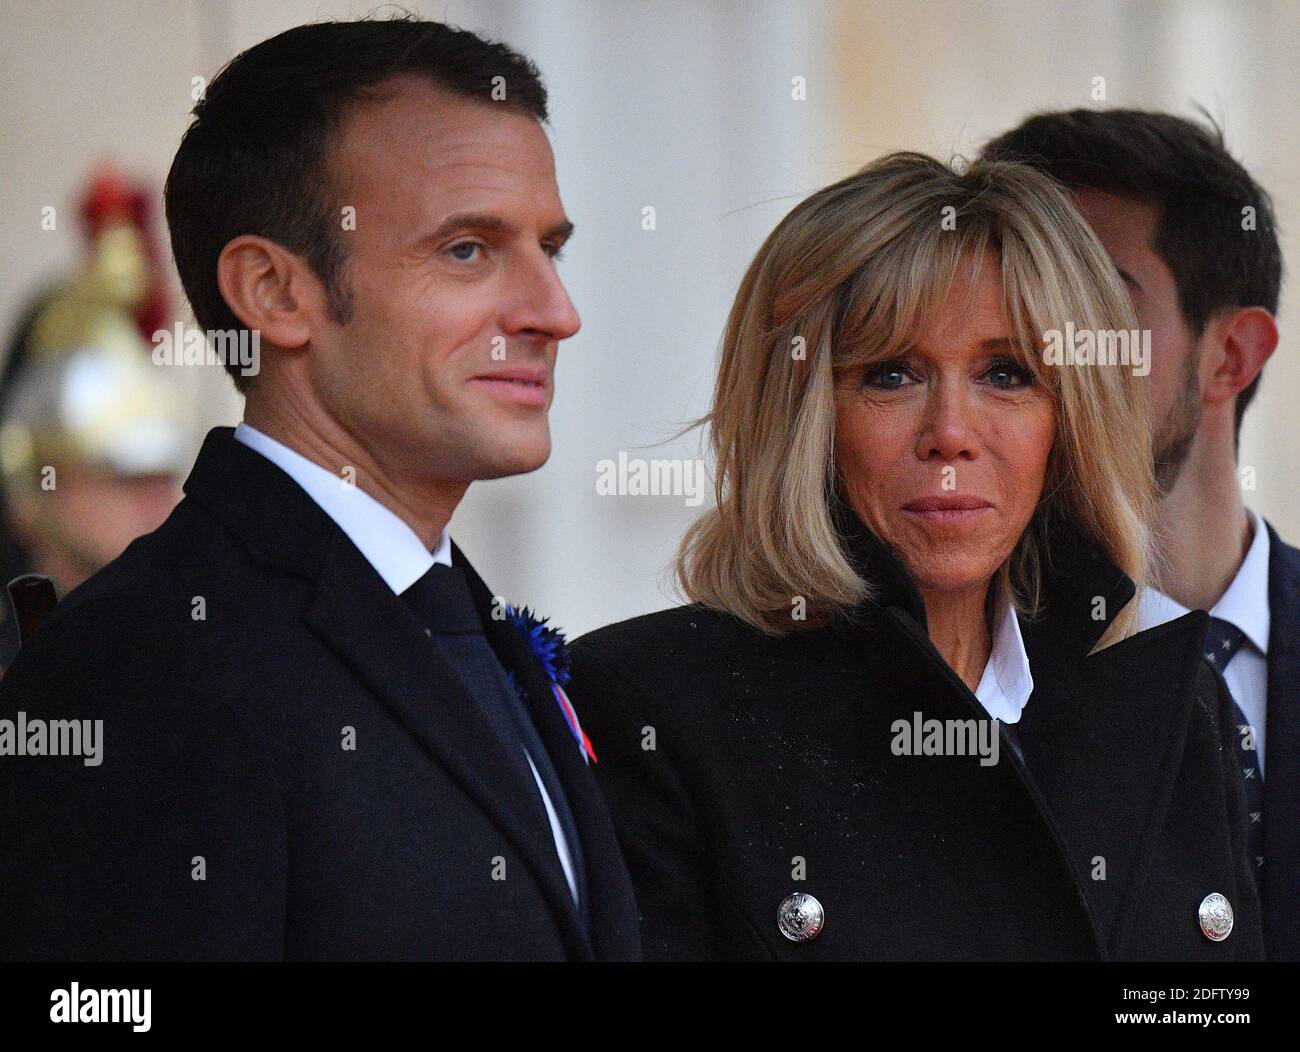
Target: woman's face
x=944 y=450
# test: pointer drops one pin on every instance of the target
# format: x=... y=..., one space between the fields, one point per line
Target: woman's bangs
x=1029 y=310
x=892 y=299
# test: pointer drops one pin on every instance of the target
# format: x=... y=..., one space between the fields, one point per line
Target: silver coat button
x=1216 y=917
x=800 y=917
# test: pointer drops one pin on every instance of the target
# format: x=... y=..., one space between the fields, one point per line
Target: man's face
x=1126 y=228
x=445 y=368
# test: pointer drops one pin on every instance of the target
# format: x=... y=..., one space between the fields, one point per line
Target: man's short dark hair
x=255 y=159
x=1183 y=169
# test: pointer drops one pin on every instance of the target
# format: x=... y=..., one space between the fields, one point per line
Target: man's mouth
x=521 y=386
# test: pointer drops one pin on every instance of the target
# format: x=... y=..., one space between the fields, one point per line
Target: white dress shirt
x=1005 y=687
x=1245 y=605
x=391 y=547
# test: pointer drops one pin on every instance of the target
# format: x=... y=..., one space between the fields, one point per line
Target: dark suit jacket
x=1282 y=770
x=223 y=740
x=775 y=753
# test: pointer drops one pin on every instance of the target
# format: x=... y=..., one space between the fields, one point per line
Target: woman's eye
x=889 y=375
x=554 y=251
x=1009 y=374
x=465 y=251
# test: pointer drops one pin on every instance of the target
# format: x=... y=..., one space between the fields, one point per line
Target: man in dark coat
x=293 y=723
x=1194 y=238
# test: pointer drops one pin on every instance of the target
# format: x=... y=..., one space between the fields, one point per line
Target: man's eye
x=888 y=375
x=553 y=250
x=465 y=251
x=1009 y=374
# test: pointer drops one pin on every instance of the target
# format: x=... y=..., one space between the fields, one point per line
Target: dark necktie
x=442 y=602
x=1223 y=641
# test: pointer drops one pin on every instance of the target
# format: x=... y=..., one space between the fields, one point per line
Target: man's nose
x=542 y=304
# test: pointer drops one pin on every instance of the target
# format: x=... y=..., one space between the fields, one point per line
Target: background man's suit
x=1281 y=890
x=223 y=749
x=1258 y=624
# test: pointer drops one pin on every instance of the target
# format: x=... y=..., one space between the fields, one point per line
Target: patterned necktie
x=442 y=602
x=1223 y=641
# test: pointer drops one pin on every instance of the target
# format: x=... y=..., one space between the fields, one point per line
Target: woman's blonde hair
x=852 y=276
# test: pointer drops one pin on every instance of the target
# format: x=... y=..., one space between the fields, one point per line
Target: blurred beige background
x=686 y=107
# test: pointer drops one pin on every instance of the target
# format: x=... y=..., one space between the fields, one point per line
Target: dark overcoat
x=742 y=768
x=290 y=769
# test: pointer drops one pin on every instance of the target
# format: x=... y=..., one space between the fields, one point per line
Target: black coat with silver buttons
x=744 y=771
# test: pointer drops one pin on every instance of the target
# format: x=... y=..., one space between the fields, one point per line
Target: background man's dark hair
x=1198 y=190
x=256 y=158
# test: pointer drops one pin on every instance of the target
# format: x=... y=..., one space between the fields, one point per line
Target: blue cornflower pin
x=548 y=646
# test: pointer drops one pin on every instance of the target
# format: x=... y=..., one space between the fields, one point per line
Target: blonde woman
x=906 y=714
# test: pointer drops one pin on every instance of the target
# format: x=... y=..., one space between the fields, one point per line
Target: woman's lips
x=521 y=386
x=949 y=510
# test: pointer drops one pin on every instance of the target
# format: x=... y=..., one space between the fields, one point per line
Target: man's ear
x=1245 y=338
x=270 y=289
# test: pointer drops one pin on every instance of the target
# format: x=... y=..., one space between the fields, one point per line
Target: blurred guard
x=92 y=442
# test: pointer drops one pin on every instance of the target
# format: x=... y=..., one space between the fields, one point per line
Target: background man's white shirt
x=1245 y=605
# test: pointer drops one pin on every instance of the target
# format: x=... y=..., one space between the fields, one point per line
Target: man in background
x=1194 y=240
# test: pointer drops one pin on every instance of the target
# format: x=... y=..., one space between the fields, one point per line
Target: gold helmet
x=86 y=396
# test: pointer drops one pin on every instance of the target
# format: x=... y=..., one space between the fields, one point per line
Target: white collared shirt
x=391 y=547
x=1007 y=683
x=388 y=543
x=1244 y=605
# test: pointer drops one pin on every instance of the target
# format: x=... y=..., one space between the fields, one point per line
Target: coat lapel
x=612 y=908
x=920 y=664
x=1106 y=757
x=357 y=616
x=1281 y=891
x=1101 y=760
